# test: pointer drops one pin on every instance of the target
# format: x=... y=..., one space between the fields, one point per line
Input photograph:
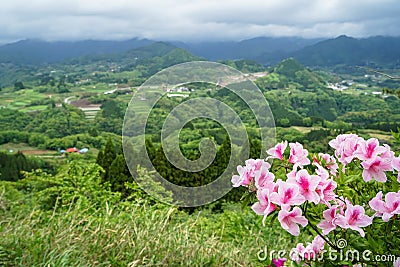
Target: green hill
x=346 y=50
x=290 y=73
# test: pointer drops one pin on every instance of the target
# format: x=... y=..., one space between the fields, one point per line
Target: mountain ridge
x=342 y=50
x=345 y=50
x=35 y=51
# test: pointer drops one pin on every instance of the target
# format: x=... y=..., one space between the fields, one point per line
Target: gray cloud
x=196 y=19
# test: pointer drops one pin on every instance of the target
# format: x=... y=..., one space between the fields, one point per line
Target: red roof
x=70 y=150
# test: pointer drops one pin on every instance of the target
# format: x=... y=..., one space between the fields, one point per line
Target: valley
x=65 y=173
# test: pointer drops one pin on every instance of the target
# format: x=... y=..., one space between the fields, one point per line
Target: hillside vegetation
x=61 y=207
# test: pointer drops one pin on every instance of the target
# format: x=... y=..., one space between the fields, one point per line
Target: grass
x=132 y=234
x=125 y=98
x=33 y=108
x=23 y=98
x=304 y=129
x=26 y=148
x=20 y=98
x=139 y=236
x=15 y=147
x=126 y=74
x=381 y=135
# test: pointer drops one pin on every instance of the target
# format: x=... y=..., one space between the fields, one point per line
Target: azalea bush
x=349 y=201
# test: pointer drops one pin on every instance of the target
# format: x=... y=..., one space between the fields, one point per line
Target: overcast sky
x=193 y=20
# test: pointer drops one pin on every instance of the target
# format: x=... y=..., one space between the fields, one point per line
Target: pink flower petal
x=290 y=219
x=277 y=151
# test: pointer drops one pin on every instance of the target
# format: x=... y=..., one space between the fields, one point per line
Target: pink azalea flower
x=247 y=173
x=375 y=168
x=292 y=175
x=369 y=149
x=326 y=191
x=396 y=263
x=279 y=262
x=345 y=145
x=396 y=166
x=307 y=184
x=321 y=171
x=277 y=151
x=341 y=204
x=290 y=220
x=263 y=177
x=298 y=155
x=309 y=252
x=242 y=179
x=354 y=218
x=387 y=153
x=388 y=208
x=326 y=187
x=263 y=206
x=313 y=249
x=330 y=162
x=318 y=244
x=253 y=165
x=328 y=224
x=287 y=194
x=378 y=205
x=297 y=254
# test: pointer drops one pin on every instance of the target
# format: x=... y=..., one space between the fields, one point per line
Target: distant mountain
x=156 y=49
x=345 y=50
x=148 y=60
x=246 y=49
x=342 y=50
x=36 y=52
x=154 y=57
x=161 y=54
x=41 y=52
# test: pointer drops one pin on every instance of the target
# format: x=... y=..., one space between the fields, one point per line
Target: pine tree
x=22 y=163
x=106 y=157
x=100 y=158
x=109 y=153
x=223 y=155
x=118 y=174
x=8 y=167
x=131 y=157
x=160 y=162
x=151 y=150
x=255 y=149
